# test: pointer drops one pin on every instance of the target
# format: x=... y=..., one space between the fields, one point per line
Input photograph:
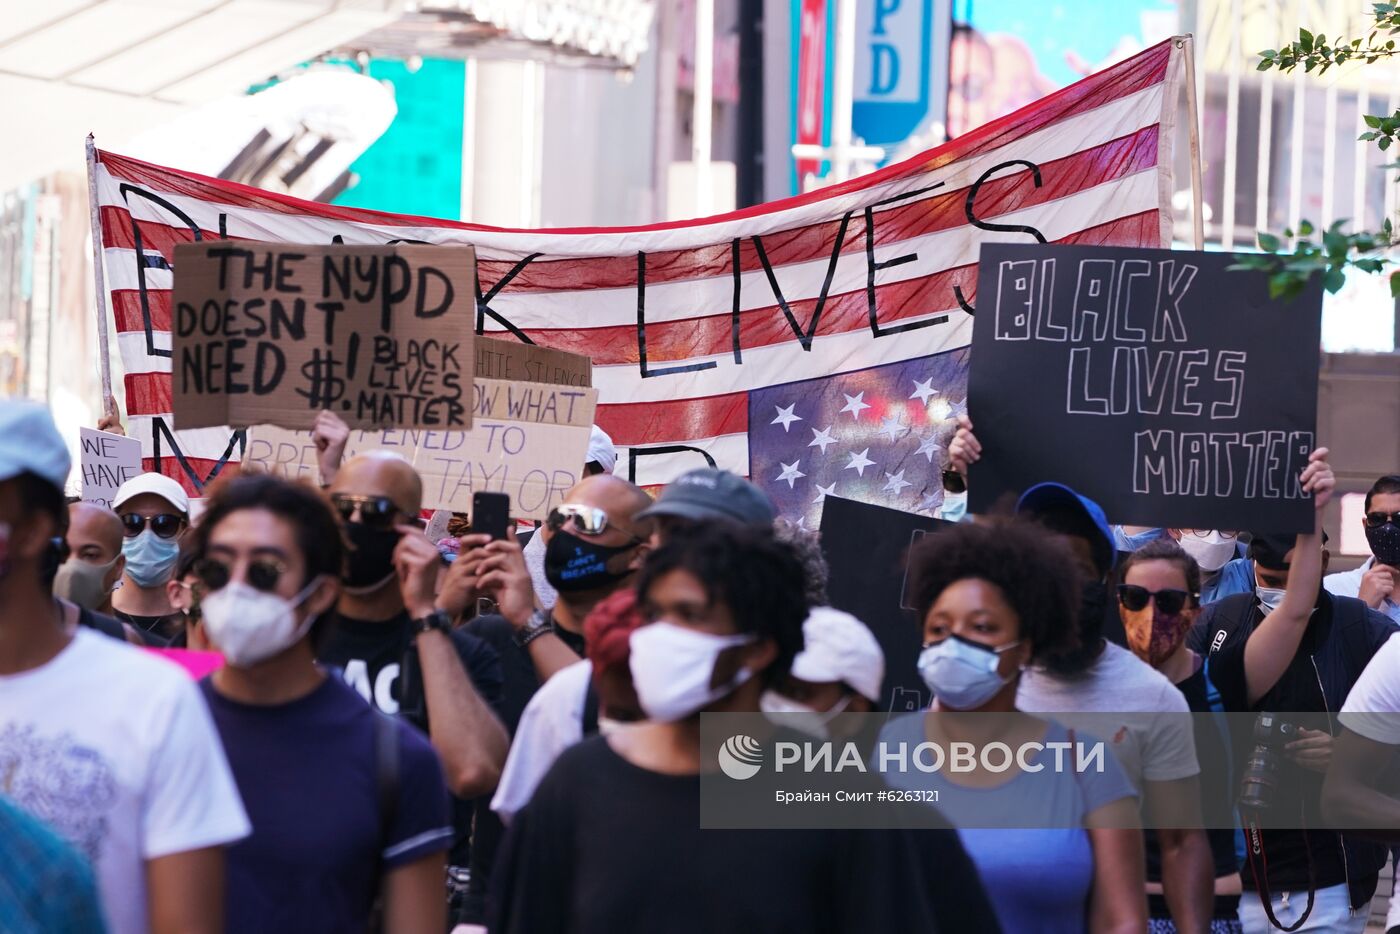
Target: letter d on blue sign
x=884 y=68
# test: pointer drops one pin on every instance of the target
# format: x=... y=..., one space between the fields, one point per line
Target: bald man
x=393 y=645
x=95 y=562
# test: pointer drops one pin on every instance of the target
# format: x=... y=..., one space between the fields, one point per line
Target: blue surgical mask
x=150 y=559
x=961 y=674
x=954 y=507
x=1125 y=542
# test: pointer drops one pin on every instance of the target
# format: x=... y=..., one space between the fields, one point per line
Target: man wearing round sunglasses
x=1377 y=582
x=389 y=639
x=154 y=512
x=330 y=829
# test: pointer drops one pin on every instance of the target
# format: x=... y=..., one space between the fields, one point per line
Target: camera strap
x=1254 y=843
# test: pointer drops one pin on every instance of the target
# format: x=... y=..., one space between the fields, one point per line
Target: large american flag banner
x=817 y=344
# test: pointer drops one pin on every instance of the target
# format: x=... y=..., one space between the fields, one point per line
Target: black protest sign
x=1170 y=390
x=271 y=333
x=866 y=549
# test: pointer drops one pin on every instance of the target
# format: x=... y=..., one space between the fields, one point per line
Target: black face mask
x=572 y=564
x=371 y=563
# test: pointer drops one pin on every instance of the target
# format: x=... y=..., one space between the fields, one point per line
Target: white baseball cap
x=839 y=647
x=157 y=483
x=601 y=450
x=30 y=443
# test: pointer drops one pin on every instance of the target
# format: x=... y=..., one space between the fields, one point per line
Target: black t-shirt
x=380 y=661
x=521 y=683
x=102 y=623
x=606 y=847
x=521 y=679
x=155 y=631
x=1215 y=779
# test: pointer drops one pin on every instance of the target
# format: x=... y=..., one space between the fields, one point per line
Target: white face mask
x=1212 y=552
x=249 y=626
x=784 y=711
x=672 y=667
x=1269 y=598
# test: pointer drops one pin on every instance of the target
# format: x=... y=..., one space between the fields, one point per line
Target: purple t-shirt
x=306 y=773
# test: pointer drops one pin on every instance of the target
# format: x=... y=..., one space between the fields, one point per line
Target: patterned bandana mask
x=1153 y=635
x=1385 y=543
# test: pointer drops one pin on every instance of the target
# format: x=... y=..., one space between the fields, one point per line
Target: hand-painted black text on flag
x=686 y=321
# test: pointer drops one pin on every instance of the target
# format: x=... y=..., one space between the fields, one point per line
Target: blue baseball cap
x=1050 y=497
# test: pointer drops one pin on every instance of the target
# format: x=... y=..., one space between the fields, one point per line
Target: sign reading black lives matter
x=1170 y=390
x=273 y=333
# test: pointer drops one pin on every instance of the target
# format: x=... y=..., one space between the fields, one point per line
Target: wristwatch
x=437 y=619
x=540 y=623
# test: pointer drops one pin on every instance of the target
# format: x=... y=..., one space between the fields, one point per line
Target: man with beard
x=390 y=640
x=1377 y=582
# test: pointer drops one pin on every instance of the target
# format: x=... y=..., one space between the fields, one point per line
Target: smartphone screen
x=490 y=514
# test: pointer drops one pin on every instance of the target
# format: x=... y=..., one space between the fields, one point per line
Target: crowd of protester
x=396 y=734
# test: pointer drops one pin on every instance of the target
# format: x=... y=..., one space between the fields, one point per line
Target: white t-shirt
x=551 y=723
x=115 y=750
x=1372 y=709
x=1127 y=703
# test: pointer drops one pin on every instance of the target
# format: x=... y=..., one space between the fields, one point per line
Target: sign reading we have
x=527 y=440
x=1161 y=383
x=273 y=333
x=107 y=461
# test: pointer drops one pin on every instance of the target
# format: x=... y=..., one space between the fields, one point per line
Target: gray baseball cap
x=709 y=494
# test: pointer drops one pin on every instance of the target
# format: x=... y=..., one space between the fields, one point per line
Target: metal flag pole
x=109 y=402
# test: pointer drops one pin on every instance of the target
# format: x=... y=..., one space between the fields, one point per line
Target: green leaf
x=1384 y=143
x=1372 y=120
x=1334 y=280
x=1305 y=228
x=1368 y=136
x=1268 y=242
x=1278 y=284
x=1305 y=40
x=1370 y=265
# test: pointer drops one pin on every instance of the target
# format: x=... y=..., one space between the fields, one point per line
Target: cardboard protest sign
x=273 y=333
x=527 y=440
x=501 y=358
x=1172 y=391
x=866 y=549
x=107 y=461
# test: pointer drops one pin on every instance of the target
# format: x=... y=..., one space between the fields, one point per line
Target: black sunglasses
x=165 y=525
x=263 y=574
x=376 y=512
x=1375 y=520
x=1136 y=598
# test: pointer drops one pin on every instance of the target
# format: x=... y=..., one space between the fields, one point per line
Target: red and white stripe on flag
x=683 y=319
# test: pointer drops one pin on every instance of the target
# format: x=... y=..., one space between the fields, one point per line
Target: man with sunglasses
x=110 y=747
x=1290 y=646
x=1377 y=582
x=154 y=512
x=389 y=639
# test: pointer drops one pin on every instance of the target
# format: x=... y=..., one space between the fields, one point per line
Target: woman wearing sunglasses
x=305 y=748
x=1159 y=600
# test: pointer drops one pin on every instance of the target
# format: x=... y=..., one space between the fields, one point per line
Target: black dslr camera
x=1260 y=777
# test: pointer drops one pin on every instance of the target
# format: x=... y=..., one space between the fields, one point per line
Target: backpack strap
x=386 y=773
x=590 y=710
